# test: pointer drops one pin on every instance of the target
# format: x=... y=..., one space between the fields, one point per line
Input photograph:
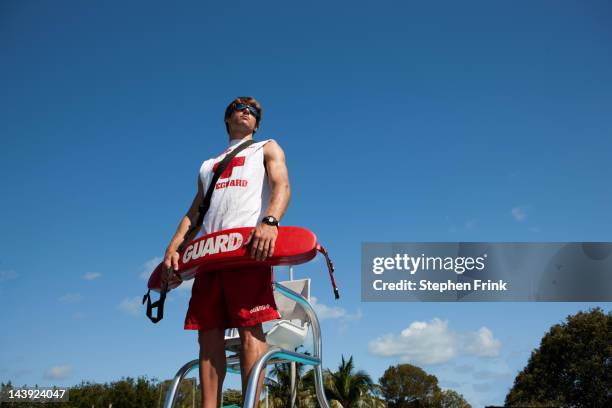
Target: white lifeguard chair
x=284 y=336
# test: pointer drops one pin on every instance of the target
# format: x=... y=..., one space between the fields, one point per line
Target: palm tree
x=349 y=388
x=280 y=390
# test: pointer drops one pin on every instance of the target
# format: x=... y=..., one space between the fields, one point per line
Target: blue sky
x=449 y=121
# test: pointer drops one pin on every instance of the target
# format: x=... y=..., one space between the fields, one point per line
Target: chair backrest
x=289 y=309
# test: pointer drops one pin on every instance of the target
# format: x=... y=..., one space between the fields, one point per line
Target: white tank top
x=242 y=192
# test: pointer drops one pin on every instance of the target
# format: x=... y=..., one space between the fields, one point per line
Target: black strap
x=159 y=304
x=204 y=206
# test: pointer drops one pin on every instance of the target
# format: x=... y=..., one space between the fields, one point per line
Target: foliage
x=232 y=397
x=125 y=393
x=344 y=388
x=450 y=399
x=347 y=387
x=280 y=389
x=89 y=395
x=572 y=366
x=405 y=385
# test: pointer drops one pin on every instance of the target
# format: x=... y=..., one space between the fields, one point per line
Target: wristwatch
x=270 y=220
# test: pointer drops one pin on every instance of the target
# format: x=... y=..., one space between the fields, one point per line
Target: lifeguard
x=253 y=191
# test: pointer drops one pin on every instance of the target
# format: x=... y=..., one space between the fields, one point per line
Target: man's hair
x=249 y=100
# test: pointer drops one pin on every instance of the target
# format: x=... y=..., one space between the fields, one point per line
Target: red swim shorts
x=238 y=297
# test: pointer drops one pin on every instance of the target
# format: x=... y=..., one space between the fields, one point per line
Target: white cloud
x=149 y=266
x=71 y=298
x=58 y=372
x=481 y=343
x=332 y=312
x=326 y=312
x=421 y=343
x=433 y=342
x=6 y=276
x=131 y=306
x=519 y=214
x=355 y=316
x=91 y=275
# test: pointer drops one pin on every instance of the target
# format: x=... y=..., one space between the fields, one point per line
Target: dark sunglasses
x=243 y=106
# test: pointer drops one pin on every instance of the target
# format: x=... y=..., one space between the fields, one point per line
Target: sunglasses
x=243 y=106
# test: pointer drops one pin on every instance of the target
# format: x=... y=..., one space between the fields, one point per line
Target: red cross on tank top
x=227 y=173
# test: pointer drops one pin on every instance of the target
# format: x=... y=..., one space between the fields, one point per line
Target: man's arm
x=263 y=237
x=171 y=257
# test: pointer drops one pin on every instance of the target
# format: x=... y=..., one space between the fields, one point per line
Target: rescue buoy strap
x=330 y=268
x=159 y=304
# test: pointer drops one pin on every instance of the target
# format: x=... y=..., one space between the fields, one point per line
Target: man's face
x=242 y=119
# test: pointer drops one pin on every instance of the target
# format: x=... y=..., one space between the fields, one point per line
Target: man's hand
x=262 y=240
x=171 y=259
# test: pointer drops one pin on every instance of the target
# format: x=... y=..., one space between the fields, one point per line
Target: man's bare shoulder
x=273 y=150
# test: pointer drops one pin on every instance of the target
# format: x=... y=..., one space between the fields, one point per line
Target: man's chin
x=244 y=128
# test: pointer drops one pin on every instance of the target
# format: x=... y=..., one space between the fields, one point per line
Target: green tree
x=232 y=397
x=450 y=399
x=405 y=385
x=347 y=387
x=184 y=396
x=124 y=393
x=89 y=394
x=572 y=366
x=280 y=389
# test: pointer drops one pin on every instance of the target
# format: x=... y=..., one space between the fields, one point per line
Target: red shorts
x=231 y=298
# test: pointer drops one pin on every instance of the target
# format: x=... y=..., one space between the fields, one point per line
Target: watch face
x=270 y=220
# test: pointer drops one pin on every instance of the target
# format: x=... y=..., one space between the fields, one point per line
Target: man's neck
x=236 y=137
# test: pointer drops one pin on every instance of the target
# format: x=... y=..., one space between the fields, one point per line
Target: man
x=253 y=191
